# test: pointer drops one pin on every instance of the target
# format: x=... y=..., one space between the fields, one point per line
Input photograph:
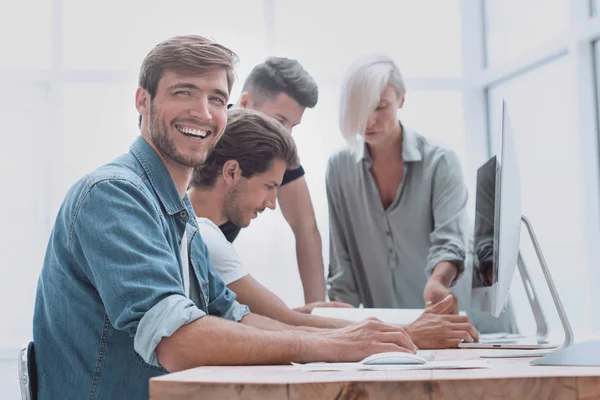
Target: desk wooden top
x=505 y=379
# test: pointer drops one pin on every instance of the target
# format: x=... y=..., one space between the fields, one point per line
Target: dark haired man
x=282 y=89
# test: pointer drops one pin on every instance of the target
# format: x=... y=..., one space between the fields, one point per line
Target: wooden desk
x=505 y=379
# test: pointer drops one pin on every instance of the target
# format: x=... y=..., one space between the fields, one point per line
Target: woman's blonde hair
x=362 y=86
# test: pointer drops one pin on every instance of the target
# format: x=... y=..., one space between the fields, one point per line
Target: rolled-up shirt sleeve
x=163 y=320
x=449 y=208
x=118 y=239
x=341 y=283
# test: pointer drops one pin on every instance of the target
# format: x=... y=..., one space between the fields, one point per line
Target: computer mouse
x=393 y=358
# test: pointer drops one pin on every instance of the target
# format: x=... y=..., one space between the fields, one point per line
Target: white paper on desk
x=459 y=364
x=399 y=316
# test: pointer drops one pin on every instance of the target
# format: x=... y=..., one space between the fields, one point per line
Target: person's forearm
x=290 y=319
x=309 y=320
x=268 y=324
x=216 y=341
x=445 y=273
x=310 y=263
x=264 y=302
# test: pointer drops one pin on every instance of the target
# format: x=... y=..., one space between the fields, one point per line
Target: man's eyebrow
x=221 y=93
x=188 y=85
x=282 y=118
x=183 y=85
x=274 y=183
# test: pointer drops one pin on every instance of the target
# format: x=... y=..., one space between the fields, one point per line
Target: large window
x=515 y=27
x=116 y=35
x=326 y=36
x=26 y=49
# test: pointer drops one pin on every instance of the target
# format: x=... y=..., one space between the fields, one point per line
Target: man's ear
x=142 y=101
x=246 y=100
x=231 y=172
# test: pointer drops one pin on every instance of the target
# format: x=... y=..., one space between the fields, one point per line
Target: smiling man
x=112 y=284
x=127 y=291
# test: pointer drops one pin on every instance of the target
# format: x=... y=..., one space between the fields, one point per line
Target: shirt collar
x=410 y=147
x=159 y=176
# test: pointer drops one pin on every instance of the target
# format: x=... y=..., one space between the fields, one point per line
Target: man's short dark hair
x=252 y=139
x=282 y=75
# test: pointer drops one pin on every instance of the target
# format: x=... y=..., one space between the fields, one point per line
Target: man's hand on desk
x=307 y=309
x=436 y=329
x=361 y=339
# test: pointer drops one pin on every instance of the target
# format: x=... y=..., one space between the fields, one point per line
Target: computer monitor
x=497 y=224
x=497 y=240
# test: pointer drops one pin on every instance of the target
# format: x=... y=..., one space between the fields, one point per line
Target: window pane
x=117 y=35
x=437 y=115
x=550 y=157
x=100 y=122
x=514 y=27
x=326 y=36
x=24 y=175
x=597 y=68
x=26 y=36
x=267 y=247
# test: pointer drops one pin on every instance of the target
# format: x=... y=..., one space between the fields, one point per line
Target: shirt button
x=183 y=214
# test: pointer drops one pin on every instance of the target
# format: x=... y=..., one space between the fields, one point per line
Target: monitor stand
x=538 y=314
x=542 y=327
x=568 y=354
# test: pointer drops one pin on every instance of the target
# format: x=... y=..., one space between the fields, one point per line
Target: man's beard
x=158 y=132
x=231 y=207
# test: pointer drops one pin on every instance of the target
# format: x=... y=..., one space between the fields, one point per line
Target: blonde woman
x=397 y=206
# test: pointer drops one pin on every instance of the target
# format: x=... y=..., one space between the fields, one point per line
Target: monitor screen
x=497 y=223
x=486 y=273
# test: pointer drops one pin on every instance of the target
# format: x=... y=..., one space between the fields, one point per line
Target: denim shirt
x=112 y=283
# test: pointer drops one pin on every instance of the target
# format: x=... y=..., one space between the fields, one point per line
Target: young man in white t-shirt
x=237 y=182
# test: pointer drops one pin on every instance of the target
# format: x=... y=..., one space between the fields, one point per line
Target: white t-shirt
x=222 y=253
x=185 y=264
